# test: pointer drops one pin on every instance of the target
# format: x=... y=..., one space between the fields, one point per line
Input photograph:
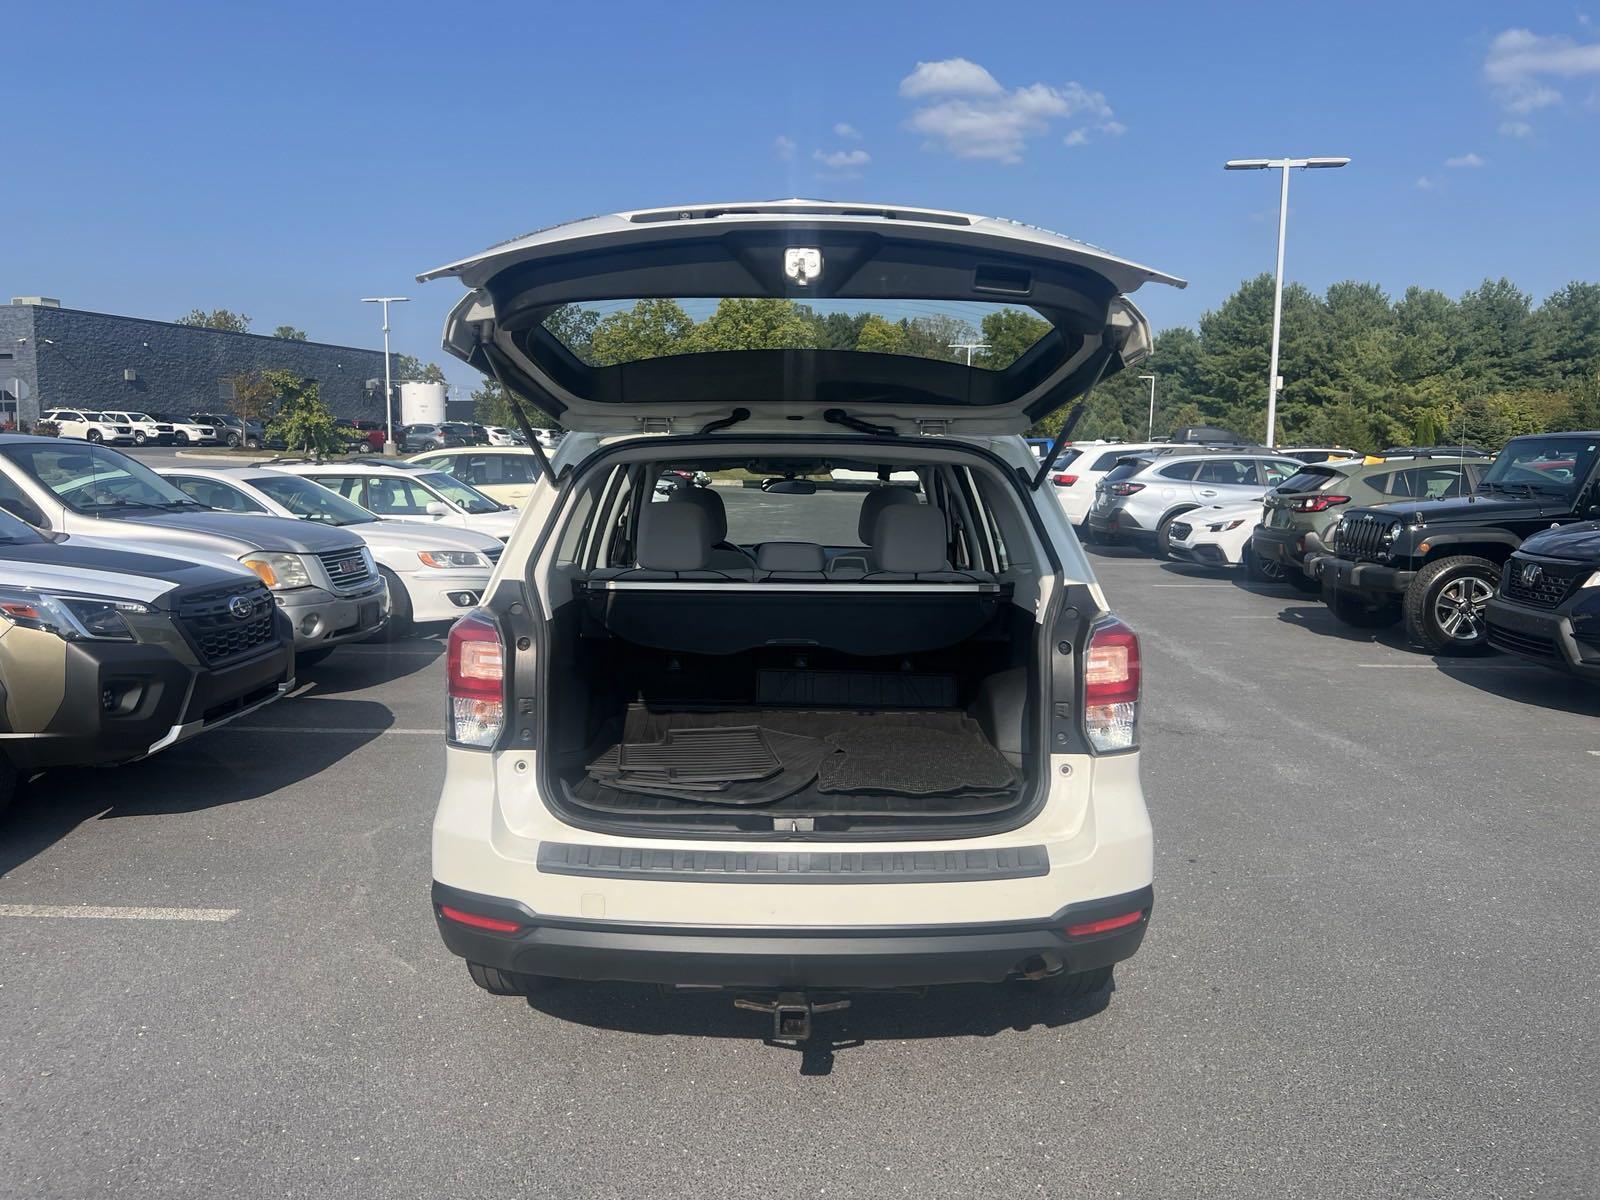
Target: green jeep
x=1300 y=511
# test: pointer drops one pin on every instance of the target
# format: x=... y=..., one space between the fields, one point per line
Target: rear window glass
x=1182 y=470
x=604 y=333
x=1124 y=469
x=1309 y=480
x=1106 y=461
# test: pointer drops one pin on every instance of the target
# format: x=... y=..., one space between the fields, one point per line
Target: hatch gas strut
x=1070 y=423
x=523 y=424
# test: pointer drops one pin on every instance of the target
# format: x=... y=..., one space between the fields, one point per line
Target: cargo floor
x=892 y=764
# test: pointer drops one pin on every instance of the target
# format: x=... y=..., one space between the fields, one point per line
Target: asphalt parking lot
x=1370 y=973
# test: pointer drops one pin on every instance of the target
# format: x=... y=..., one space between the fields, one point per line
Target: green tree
x=574 y=326
x=254 y=397
x=754 y=323
x=491 y=406
x=1007 y=334
x=652 y=328
x=408 y=368
x=217 y=318
x=289 y=333
x=303 y=420
x=878 y=336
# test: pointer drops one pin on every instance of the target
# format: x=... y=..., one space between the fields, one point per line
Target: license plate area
x=370 y=613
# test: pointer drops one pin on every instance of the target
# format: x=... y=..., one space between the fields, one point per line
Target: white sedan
x=407 y=492
x=434 y=574
x=1214 y=537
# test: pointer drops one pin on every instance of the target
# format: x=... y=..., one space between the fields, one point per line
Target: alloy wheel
x=1459 y=607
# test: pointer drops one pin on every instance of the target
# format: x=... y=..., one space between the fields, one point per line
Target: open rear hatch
x=670 y=319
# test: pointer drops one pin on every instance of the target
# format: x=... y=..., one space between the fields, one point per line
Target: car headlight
x=1592 y=581
x=1224 y=526
x=446 y=560
x=280 y=572
x=86 y=618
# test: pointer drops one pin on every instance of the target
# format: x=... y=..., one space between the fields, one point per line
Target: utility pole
x=969 y=347
x=1274 y=382
x=388 y=383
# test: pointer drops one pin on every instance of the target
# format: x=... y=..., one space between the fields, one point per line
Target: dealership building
x=55 y=357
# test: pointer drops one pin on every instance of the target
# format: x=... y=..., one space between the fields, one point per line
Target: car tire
x=507 y=983
x=1262 y=570
x=1163 y=546
x=1351 y=611
x=140 y=437
x=94 y=436
x=180 y=439
x=1445 y=602
x=232 y=441
x=399 y=625
x=363 y=447
x=1079 y=985
x=310 y=658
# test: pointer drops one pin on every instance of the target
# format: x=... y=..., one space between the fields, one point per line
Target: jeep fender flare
x=1487 y=543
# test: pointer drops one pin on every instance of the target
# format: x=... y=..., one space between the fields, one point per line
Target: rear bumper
x=1116 y=522
x=1291 y=547
x=1374 y=579
x=834 y=958
x=1544 y=636
x=156 y=701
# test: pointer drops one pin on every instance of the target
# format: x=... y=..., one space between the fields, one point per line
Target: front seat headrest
x=673 y=537
x=873 y=506
x=911 y=539
x=708 y=500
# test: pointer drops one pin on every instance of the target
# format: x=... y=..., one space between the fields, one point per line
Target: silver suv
x=1139 y=498
x=323 y=579
x=855 y=716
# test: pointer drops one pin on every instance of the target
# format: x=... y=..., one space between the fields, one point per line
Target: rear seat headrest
x=791 y=558
x=673 y=537
x=873 y=506
x=911 y=539
x=707 y=499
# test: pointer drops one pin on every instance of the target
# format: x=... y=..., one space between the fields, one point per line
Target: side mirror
x=790 y=487
x=437 y=509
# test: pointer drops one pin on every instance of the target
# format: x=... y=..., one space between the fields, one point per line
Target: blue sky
x=285 y=160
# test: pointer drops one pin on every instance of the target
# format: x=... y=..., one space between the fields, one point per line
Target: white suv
x=789 y=734
x=146 y=428
x=1139 y=499
x=89 y=425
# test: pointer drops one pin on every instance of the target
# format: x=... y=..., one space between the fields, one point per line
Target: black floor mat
x=886 y=755
x=706 y=755
x=798 y=758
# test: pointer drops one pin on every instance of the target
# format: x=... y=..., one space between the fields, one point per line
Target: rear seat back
x=911 y=546
x=724 y=556
x=792 y=561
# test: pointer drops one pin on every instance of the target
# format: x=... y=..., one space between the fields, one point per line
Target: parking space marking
x=105 y=913
x=1430 y=666
x=346 y=729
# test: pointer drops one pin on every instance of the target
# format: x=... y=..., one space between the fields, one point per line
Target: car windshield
x=463 y=496
x=16 y=532
x=91 y=478
x=310 y=500
x=1551 y=463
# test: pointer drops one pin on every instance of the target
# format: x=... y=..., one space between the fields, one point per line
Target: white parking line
x=102 y=912
x=1429 y=666
x=434 y=732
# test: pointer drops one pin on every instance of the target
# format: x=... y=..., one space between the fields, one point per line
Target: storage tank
x=421 y=403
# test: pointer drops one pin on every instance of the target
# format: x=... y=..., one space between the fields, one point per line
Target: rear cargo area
x=763 y=738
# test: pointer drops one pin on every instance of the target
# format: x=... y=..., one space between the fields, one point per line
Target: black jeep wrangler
x=1435 y=564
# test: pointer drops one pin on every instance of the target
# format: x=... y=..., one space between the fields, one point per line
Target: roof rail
x=1433 y=452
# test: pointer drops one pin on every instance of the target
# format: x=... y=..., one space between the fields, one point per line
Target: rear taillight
x=1063 y=480
x=1111 y=673
x=1313 y=504
x=1124 y=489
x=477 y=677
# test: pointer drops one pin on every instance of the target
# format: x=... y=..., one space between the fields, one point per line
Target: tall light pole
x=1274 y=383
x=969 y=347
x=388 y=385
x=1150 y=429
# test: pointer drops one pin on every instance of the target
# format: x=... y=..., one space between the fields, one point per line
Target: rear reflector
x=1105 y=924
x=493 y=924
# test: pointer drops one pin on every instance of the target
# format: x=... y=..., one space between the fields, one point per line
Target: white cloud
x=845 y=130
x=1516 y=129
x=966 y=112
x=950 y=77
x=1466 y=160
x=1424 y=184
x=842 y=160
x=784 y=148
x=1520 y=63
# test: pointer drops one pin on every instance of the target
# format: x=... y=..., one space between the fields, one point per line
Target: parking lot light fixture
x=388 y=384
x=1274 y=382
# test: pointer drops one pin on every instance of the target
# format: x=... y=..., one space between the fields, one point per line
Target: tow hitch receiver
x=791 y=1013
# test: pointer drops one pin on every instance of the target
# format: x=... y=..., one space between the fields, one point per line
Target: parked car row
x=1469 y=552
x=139 y=609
